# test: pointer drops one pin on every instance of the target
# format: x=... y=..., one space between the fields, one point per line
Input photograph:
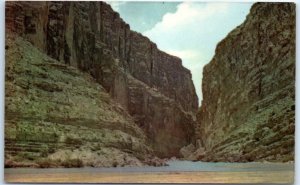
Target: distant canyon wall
x=248 y=107
x=151 y=85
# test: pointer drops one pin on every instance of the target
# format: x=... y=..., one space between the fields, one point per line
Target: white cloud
x=194 y=30
x=188 y=54
x=115 y=5
x=186 y=15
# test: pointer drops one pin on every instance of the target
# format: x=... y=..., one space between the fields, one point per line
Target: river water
x=174 y=166
x=177 y=171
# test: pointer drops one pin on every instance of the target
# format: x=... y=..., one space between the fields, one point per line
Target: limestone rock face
x=151 y=85
x=248 y=107
x=56 y=115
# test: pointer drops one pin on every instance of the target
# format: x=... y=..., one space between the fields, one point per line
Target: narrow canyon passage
x=84 y=90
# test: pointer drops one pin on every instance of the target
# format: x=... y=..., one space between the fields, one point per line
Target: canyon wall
x=248 y=107
x=151 y=85
x=56 y=115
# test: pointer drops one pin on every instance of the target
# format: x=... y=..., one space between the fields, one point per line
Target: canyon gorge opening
x=83 y=89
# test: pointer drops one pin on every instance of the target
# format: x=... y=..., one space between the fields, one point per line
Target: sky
x=189 y=30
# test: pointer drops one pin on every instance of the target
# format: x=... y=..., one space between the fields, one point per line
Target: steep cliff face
x=151 y=85
x=248 y=107
x=56 y=115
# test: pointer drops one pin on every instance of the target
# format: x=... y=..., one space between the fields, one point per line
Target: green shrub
x=29 y=156
x=73 y=141
x=51 y=150
x=115 y=164
x=46 y=163
x=44 y=152
x=9 y=164
x=72 y=163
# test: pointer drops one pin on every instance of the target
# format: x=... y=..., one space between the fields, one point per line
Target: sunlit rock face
x=151 y=85
x=58 y=116
x=248 y=107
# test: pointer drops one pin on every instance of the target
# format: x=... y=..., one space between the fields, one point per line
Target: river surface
x=177 y=171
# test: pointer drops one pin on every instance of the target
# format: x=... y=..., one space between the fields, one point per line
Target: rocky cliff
x=56 y=115
x=248 y=107
x=152 y=86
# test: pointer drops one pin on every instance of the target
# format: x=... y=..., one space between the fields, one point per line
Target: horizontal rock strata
x=248 y=107
x=56 y=115
x=151 y=85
